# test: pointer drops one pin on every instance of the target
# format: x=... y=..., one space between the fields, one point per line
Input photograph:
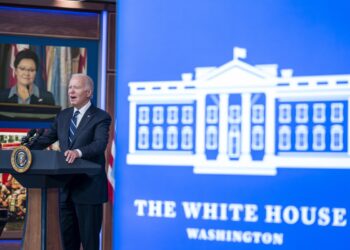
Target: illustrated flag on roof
x=239 y=53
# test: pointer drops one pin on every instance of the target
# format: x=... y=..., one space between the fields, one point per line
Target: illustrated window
x=157 y=137
x=172 y=141
x=187 y=115
x=258 y=113
x=143 y=115
x=234 y=141
x=301 y=138
x=186 y=138
x=284 y=138
x=173 y=115
x=337 y=138
x=158 y=115
x=212 y=114
x=258 y=138
x=143 y=135
x=319 y=112
x=212 y=138
x=284 y=113
x=319 y=138
x=302 y=113
x=234 y=116
x=337 y=114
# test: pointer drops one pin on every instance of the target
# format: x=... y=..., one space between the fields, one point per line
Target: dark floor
x=10 y=244
x=10 y=236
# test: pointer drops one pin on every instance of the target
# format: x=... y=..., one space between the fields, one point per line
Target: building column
x=132 y=127
x=246 y=127
x=200 y=127
x=270 y=126
x=223 y=127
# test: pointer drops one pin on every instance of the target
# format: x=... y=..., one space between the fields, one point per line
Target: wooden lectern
x=48 y=172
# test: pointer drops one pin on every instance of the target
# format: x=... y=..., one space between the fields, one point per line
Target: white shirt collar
x=83 y=109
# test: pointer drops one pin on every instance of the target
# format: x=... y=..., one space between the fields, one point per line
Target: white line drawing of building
x=241 y=119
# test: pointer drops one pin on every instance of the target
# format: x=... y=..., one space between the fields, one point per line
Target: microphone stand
x=25 y=140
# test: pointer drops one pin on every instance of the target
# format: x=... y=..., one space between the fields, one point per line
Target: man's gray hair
x=87 y=79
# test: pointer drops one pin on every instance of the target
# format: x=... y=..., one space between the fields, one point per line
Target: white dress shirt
x=82 y=112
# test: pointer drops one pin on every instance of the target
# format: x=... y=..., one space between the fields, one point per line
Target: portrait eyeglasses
x=26 y=70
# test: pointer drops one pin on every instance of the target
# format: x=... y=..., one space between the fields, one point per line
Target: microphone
x=38 y=133
x=29 y=135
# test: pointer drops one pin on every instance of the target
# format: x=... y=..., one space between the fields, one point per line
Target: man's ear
x=89 y=92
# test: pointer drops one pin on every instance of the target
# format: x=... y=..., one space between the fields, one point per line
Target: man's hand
x=71 y=155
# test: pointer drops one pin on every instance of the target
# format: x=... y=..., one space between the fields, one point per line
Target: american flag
x=82 y=61
x=110 y=171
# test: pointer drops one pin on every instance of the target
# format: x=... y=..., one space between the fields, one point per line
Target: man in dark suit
x=82 y=132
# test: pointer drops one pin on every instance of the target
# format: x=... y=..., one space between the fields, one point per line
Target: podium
x=48 y=172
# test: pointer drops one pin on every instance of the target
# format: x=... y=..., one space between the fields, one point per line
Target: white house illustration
x=241 y=119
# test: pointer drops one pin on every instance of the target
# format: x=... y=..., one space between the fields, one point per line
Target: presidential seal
x=21 y=159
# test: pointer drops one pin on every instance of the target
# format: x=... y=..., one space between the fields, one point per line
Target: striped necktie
x=73 y=126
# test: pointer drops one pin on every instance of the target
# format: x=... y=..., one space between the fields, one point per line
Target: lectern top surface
x=49 y=163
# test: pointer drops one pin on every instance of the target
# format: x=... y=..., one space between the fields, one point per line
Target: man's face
x=78 y=92
x=25 y=72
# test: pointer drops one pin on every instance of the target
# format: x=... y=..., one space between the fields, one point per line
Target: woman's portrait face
x=25 y=72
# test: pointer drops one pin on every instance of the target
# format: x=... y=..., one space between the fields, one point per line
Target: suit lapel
x=13 y=99
x=34 y=99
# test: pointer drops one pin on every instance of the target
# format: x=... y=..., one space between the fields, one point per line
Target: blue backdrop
x=158 y=41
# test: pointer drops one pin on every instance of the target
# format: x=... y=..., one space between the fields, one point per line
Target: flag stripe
x=110 y=166
x=110 y=170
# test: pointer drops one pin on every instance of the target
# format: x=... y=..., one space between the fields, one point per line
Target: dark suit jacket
x=45 y=97
x=91 y=138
